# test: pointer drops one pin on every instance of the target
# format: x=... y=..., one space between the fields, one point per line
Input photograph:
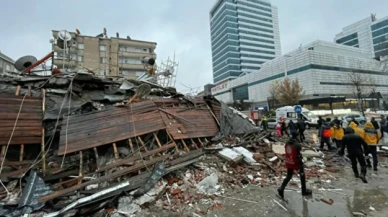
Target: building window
x=80 y=58
x=133 y=49
x=102 y=59
x=80 y=46
x=128 y=60
x=7 y=68
x=102 y=48
x=102 y=72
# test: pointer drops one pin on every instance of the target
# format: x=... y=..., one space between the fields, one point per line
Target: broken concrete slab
x=230 y=155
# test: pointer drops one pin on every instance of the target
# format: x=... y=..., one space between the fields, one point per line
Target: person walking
x=337 y=135
x=264 y=123
x=372 y=138
x=294 y=163
x=357 y=148
x=301 y=128
x=283 y=127
x=293 y=128
x=325 y=134
x=383 y=123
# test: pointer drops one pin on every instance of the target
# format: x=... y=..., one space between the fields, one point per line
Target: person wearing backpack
x=372 y=138
x=294 y=162
x=325 y=134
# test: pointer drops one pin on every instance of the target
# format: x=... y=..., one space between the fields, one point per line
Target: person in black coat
x=301 y=128
x=375 y=124
x=357 y=147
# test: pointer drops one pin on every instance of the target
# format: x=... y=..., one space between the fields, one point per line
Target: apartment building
x=6 y=64
x=105 y=56
x=244 y=35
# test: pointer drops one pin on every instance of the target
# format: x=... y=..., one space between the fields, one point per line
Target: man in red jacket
x=294 y=162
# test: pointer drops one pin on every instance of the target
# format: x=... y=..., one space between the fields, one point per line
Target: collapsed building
x=78 y=134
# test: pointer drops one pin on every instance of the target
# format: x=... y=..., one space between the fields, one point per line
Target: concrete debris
x=230 y=155
x=208 y=185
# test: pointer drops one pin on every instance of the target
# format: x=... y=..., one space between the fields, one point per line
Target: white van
x=288 y=113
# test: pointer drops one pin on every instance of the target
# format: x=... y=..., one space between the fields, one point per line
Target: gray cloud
x=180 y=26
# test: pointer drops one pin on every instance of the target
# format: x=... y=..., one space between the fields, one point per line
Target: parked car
x=272 y=123
x=347 y=118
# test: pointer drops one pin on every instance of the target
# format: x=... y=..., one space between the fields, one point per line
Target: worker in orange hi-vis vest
x=294 y=162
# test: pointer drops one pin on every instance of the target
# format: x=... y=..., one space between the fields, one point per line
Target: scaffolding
x=166 y=72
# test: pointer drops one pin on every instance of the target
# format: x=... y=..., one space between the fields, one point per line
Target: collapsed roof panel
x=107 y=126
x=28 y=129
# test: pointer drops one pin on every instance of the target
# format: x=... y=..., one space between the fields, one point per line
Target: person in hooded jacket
x=294 y=162
x=372 y=138
x=357 y=147
x=354 y=121
x=375 y=124
x=325 y=134
x=301 y=128
x=337 y=135
x=357 y=130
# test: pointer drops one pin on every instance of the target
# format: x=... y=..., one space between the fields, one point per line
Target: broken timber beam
x=102 y=179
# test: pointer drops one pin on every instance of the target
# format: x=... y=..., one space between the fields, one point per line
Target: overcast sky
x=180 y=26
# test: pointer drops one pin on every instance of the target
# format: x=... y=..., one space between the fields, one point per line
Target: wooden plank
x=20 y=133
x=10 y=128
x=22 y=116
x=157 y=139
x=42 y=143
x=21 y=123
x=131 y=145
x=20 y=140
x=116 y=153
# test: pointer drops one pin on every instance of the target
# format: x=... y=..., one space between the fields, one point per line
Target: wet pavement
x=257 y=201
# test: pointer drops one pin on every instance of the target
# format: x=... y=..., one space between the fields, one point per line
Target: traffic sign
x=298 y=109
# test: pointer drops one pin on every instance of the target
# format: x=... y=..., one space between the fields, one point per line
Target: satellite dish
x=63 y=37
x=24 y=62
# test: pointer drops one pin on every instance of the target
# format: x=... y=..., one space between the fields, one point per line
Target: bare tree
x=359 y=84
x=290 y=92
x=274 y=94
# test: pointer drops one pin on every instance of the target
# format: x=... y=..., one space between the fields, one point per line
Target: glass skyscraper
x=244 y=35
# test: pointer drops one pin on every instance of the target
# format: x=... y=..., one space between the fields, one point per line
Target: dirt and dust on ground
x=245 y=190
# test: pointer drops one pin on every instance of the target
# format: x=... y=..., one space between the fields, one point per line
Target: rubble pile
x=79 y=145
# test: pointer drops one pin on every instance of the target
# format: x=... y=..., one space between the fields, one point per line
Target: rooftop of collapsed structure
x=67 y=137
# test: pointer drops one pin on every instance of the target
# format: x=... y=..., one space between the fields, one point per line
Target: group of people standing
x=296 y=129
x=361 y=143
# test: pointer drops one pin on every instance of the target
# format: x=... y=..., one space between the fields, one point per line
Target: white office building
x=321 y=68
x=244 y=35
x=369 y=34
